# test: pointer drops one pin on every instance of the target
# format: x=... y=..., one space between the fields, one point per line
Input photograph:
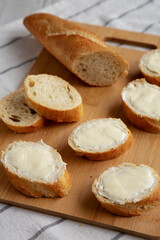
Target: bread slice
x=101 y=139
x=141 y=105
x=36 y=169
x=17 y=115
x=128 y=189
x=150 y=67
x=53 y=98
x=79 y=50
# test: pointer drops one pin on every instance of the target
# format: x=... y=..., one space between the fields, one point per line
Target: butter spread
x=152 y=61
x=100 y=134
x=144 y=98
x=35 y=160
x=126 y=183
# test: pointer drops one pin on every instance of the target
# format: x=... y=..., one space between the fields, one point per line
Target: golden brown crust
x=67 y=41
x=36 y=189
x=130 y=209
x=152 y=79
x=142 y=122
x=102 y=156
x=70 y=115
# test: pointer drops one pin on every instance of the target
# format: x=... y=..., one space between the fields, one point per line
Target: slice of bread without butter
x=36 y=169
x=53 y=98
x=79 y=50
x=150 y=66
x=17 y=115
x=141 y=105
x=128 y=189
x=101 y=139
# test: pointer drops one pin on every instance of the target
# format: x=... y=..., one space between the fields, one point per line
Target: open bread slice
x=101 y=139
x=36 y=169
x=150 y=66
x=128 y=189
x=53 y=98
x=141 y=105
x=17 y=115
x=86 y=55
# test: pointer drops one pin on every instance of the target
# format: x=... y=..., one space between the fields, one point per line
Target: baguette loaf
x=36 y=169
x=141 y=105
x=53 y=98
x=150 y=66
x=128 y=189
x=79 y=50
x=17 y=115
x=101 y=139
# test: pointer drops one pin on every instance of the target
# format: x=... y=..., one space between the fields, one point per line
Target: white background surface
x=18 y=51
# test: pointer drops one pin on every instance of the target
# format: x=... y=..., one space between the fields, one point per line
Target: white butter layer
x=100 y=134
x=151 y=61
x=36 y=161
x=144 y=98
x=126 y=183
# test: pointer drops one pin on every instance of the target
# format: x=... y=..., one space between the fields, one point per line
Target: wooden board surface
x=81 y=204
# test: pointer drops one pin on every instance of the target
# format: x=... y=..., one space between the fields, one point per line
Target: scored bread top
x=15 y=112
x=98 y=135
x=52 y=92
x=143 y=98
x=33 y=161
x=126 y=183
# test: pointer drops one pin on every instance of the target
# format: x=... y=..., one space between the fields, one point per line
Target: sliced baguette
x=136 y=189
x=150 y=66
x=101 y=139
x=53 y=98
x=17 y=115
x=141 y=105
x=36 y=169
x=79 y=50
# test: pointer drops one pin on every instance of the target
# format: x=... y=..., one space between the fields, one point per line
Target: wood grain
x=81 y=204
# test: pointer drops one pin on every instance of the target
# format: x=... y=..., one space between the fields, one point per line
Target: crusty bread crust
x=145 y=123
x=69 y=42
x=35 y=189
x=130 y=209
x=59 y=188
x=71 y=115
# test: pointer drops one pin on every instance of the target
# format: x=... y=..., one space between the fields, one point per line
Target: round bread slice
x=36 y=169
x=17 y=115
x=54 y=98
x=101 y=139
x=128 y=189
x=141 y=105
x=150 y=66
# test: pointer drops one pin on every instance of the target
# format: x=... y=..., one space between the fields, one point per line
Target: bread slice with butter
x=150 y=66
x=141 y=105
x=17 y=115
x=52 y=97
x=101 y=139
x=36 y=169
x=128 y=189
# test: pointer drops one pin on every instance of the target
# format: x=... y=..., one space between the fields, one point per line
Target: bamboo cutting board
x=81 y=204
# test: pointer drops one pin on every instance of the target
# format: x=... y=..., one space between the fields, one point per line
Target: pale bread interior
x=126 y=183
x=34 y=161
x=100 y=68
x=51 y=92
x=143 y=98
x=98 y=135
x=14 y=111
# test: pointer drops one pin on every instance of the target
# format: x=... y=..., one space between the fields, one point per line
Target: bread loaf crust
x=68 y=42
x=130 y=209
